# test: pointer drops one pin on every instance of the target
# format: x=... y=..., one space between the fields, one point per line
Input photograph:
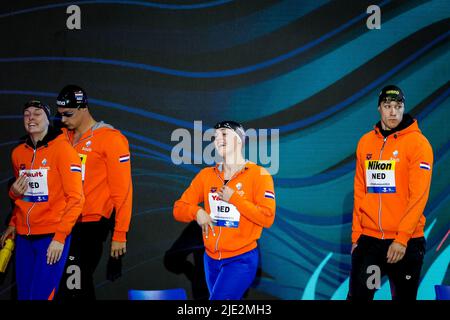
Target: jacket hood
x=407 y=125
x=100 y=125
x=51 y=135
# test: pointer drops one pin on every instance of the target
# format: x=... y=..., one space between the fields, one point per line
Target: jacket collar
x=89 y=133
x=51 y=135
x=219 y=167
x=407 y=125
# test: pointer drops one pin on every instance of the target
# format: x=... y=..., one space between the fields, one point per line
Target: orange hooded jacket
x=254 y=198
x=56 y=207
x=392 y=213
x=106 y=170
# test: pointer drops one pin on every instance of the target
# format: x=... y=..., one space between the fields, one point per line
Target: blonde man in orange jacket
x=107 y=185
x=392 y=181
x=239 y=201
x=48 y=198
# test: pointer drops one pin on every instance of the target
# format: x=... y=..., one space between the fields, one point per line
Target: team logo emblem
x=239 y=186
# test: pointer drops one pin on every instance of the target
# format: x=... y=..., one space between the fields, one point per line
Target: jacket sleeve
x=419 y=188
x=359 y=191
x=16 y=175
x=185 y=209
x=12 y=221
x=118 y=164
x=73 y=190
x=262 y=211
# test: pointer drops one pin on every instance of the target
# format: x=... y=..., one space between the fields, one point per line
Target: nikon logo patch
x=380 y=176
x=379 y=165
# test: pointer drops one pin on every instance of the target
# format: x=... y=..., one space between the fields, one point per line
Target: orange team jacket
x=107 y=185
x=252 y=204
x=54 y=198
x=390 y=195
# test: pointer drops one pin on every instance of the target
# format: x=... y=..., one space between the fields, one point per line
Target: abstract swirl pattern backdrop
x=312 y=69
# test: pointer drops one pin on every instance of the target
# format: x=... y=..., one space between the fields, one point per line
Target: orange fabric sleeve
x=419 y=188
x=359 y=191
x=73 y=190
x=185 y=209
x=16 y=175
x=12 y=221
x=120 y=184
x=262 y=212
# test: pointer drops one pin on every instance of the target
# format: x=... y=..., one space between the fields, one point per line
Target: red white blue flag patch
x=124 y=158
x=75 y=168
x=425 y=165
x=269 y=194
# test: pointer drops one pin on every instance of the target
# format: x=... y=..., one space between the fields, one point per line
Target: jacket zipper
x=379 y=194
x=220 y=228
x=31 y=208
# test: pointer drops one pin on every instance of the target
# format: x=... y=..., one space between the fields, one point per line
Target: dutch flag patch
x=425 y=165
x=269 y=194
x=124 y=158
x=75 y=168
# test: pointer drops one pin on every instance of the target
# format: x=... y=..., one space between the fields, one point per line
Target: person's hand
x=396 y=252
x=354 y=245
x=225 y=193
x=205 y=222
x=54 y=252
x=10 y=232
x=118 y=248
x=19 y=187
